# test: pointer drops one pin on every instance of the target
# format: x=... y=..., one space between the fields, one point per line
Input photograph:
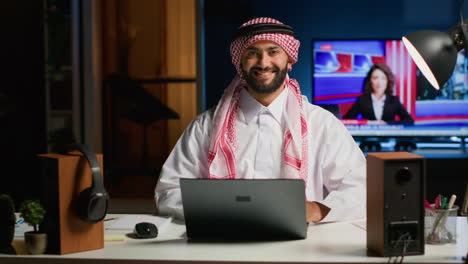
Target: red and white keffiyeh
x=223 y=145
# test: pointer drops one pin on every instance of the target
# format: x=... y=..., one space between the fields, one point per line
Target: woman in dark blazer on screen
x=378 y=102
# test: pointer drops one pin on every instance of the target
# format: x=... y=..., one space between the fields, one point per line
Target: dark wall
x=446 y=177
x=314 y=20
x=22 y=107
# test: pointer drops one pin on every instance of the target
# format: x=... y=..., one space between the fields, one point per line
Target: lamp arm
x=463 y=27
x=465 y=38
x=464 y=209
x=459 y=34
x=460 y=10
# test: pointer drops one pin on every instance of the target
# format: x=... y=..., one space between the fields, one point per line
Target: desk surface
x=333 y=243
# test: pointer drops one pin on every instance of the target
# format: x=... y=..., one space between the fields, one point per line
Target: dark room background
x=22 y=97
x=334 y=19
x=23 y=132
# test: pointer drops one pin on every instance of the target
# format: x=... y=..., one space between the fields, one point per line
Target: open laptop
x=272 y=209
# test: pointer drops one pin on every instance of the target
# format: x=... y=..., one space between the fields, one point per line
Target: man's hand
x=315 y=211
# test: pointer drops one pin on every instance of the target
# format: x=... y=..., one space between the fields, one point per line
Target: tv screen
x=339 y=69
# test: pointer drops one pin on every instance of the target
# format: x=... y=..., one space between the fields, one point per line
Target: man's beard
x=265 y=88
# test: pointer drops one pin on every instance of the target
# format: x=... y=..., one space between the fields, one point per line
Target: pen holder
x=441 y=225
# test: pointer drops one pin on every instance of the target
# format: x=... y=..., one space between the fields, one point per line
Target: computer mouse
x=145 y=230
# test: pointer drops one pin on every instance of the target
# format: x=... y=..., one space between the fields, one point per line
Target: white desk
x=333 y=243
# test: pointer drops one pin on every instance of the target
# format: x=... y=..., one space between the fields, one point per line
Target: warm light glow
x=421 y=63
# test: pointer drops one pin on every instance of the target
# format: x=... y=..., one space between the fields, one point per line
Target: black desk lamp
x=435 y=52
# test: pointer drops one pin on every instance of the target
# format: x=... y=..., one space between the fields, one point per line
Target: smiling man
x=263 y=128
x=261 y=64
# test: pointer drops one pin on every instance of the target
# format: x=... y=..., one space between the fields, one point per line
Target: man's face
x=264 y=66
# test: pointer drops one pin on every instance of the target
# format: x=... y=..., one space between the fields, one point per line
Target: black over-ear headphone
x=93 y=201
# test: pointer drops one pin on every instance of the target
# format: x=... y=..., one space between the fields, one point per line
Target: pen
x=427 y=204
x=443 y=204
x=437 y=202
x=109 y=219
x=451 y=201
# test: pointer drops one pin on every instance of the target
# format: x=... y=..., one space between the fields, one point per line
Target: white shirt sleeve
x=188 y=159
x=343 y=168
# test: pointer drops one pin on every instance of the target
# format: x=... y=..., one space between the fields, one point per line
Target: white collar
x=251 y=107
x=374 y=98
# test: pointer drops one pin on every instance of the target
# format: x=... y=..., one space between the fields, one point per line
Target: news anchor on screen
x=378 y=104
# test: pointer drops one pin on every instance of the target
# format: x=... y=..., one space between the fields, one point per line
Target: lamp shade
x=435 y=54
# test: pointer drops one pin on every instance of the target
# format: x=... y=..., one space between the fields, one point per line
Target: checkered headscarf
x=223 y=145
x=287 y=42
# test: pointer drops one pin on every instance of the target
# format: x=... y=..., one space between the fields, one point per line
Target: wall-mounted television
x=339 y=68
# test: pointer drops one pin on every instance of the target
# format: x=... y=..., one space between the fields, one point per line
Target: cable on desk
x=405 y=239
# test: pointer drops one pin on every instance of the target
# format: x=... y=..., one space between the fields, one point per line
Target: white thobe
x=336 y=166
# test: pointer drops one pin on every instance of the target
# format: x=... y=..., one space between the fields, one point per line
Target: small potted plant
x=33 y=213
x=7 y=224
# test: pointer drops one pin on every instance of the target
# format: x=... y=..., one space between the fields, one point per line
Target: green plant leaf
x=33 y=213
